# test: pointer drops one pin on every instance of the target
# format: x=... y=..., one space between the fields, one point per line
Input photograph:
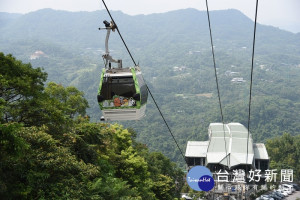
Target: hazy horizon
x=277 y=13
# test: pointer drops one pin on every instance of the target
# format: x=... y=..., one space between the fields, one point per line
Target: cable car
x=122 y=93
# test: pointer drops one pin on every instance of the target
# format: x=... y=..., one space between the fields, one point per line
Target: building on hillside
x=238 y=80
x=37 y=54
x=227 y=149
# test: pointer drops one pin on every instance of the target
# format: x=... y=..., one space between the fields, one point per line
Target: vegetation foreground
x=50 y=150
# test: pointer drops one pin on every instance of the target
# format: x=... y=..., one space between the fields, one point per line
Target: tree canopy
x=284 y=153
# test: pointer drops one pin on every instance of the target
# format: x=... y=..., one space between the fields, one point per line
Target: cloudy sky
x=284 y=14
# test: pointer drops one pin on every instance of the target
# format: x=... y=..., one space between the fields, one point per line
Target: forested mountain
x=7 y=18
x=173 y=50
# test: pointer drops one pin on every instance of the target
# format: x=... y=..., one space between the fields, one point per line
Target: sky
x=284 y=14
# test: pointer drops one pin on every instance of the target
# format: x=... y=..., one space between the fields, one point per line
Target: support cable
x=146 y=85
x=217 y=82
x=166 y=123
x=251 y=80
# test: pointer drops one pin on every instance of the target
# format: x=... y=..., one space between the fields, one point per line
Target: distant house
x=37 y=55
x=230 y=73
x=238 y=80
x=181 y=68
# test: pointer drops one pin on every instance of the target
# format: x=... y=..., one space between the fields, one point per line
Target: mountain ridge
x=186 y=27
x=232 y=15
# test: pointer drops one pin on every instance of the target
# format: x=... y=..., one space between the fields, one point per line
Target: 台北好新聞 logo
x=199 y=178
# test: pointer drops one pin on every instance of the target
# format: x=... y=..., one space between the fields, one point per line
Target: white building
x=238 y=80
x=227 y=148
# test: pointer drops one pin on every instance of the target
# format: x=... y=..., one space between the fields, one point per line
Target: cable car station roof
x=196 y=149
x=227 y=145
x=260 y=151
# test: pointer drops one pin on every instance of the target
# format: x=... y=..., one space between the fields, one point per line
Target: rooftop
x=229 y=145
x=196 y=149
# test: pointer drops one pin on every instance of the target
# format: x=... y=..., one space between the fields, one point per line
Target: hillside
x=173 y=50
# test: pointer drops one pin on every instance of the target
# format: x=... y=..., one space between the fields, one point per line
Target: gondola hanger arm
x=108 y=59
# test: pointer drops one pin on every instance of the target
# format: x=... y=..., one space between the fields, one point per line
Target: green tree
x=46 y=170
x=12 y=150
x=284 y=152
x=24 y=99
x=20 y=89
x=166 y=175
x=59 y=106
x=71 y=99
